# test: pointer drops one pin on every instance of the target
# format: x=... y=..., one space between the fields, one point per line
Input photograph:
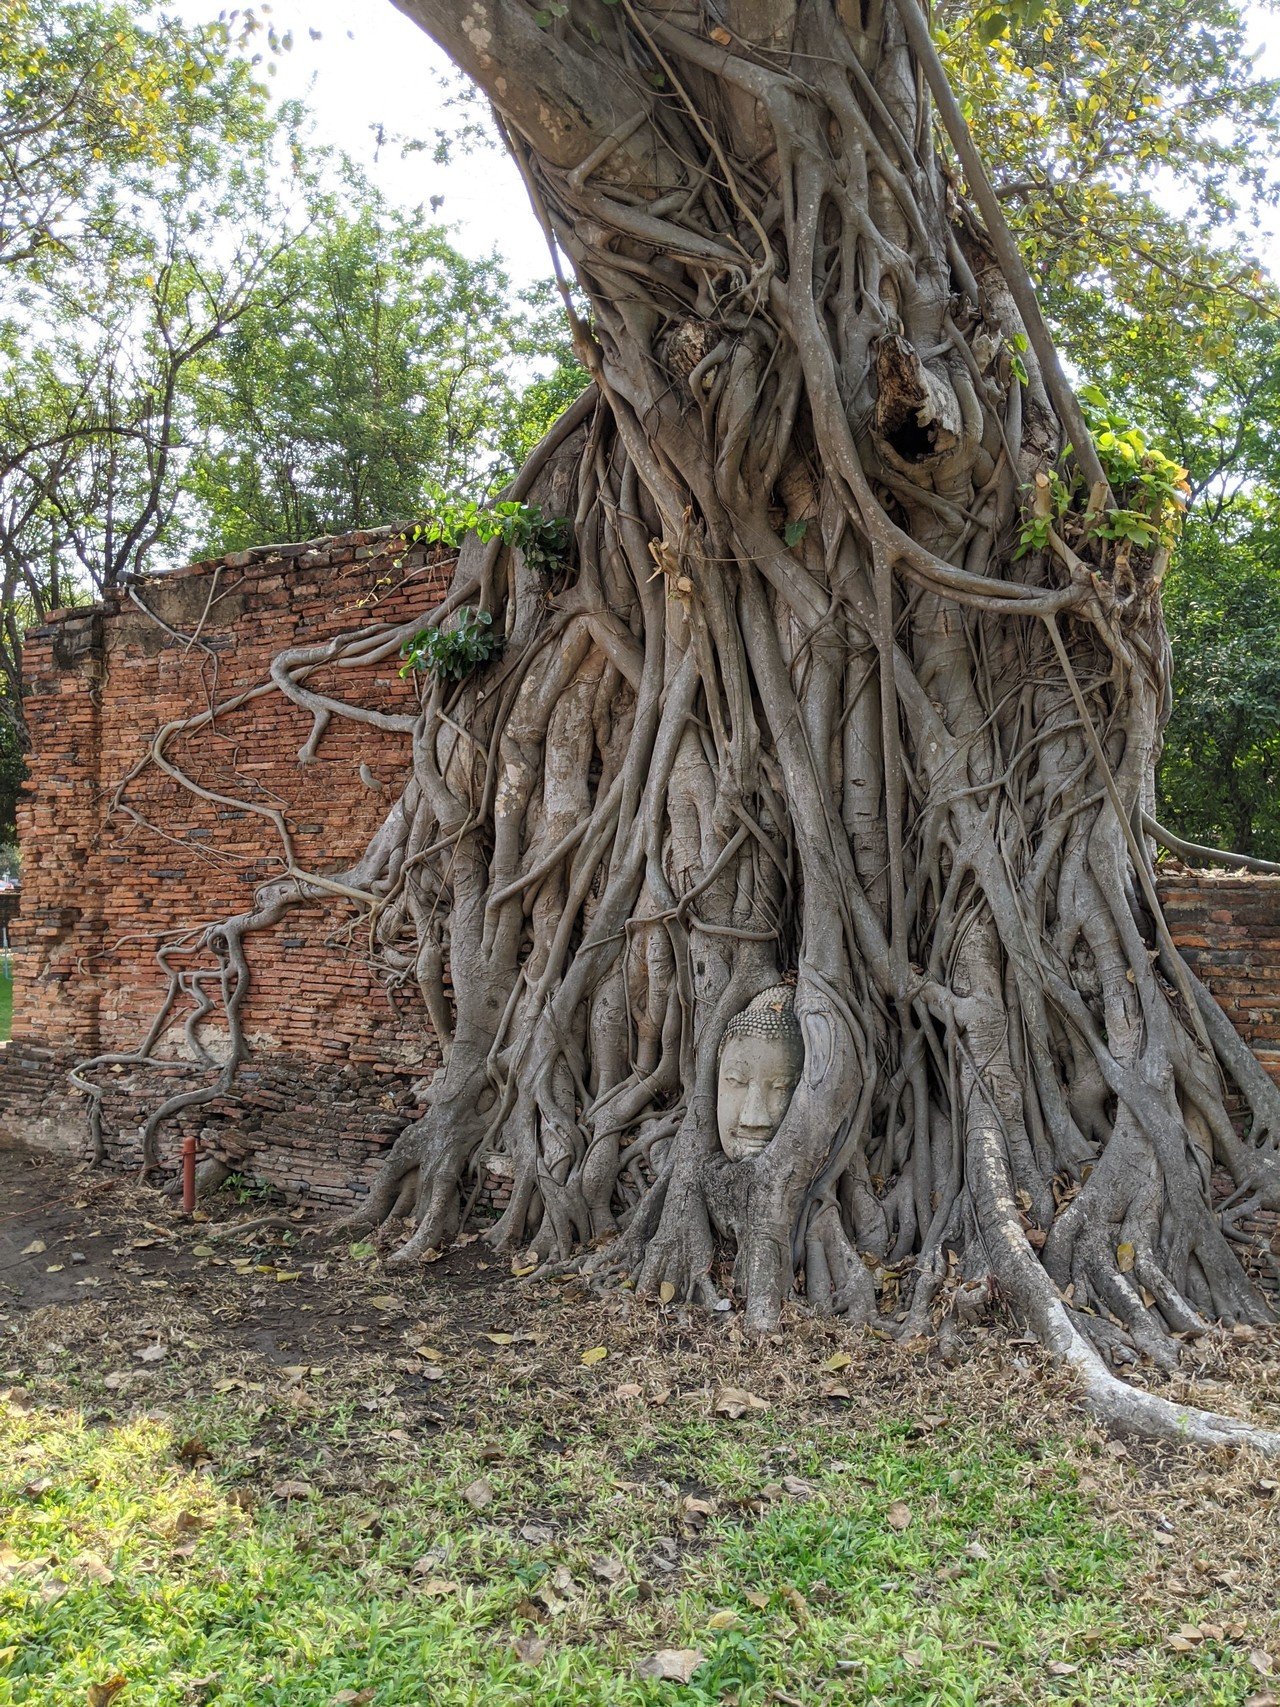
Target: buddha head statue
x=761 y=1057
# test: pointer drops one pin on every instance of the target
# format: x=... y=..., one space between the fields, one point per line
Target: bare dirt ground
x=103 y=1268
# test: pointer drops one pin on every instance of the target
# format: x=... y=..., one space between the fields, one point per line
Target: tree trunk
x=796 y=703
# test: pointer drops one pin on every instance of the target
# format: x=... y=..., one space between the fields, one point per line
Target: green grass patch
x=937 y=1567
x=6 y=1003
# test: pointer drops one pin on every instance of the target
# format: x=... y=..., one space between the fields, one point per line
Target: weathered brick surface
x=1228 y=926
x=335 y=1056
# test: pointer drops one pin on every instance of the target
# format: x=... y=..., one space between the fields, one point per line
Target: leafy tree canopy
x=382 y=369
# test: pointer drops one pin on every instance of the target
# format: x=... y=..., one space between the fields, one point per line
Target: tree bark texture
x=794 y=703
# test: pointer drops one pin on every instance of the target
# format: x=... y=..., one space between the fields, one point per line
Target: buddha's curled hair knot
x=770 y=1014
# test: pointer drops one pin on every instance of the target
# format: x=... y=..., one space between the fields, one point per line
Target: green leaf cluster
x=543 y=539
x=451 y=654
x=1150 y=488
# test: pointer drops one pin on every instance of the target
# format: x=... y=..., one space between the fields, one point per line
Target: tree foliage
x=96 y=99
x=140 y=214
x=1131 y=148
x=1135 y=153
x=382 y=370
x=1220 y=776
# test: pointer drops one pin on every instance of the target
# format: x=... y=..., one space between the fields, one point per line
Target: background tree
x=203 y=342
x=1207 y=387
x=1097 y=126
x=1220 y=775
x=138 y=214
x=382 y=369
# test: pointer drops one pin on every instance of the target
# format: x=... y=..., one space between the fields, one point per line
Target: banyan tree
x=783 y=821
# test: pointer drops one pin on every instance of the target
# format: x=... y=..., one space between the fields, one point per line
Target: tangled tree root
x=793 y=699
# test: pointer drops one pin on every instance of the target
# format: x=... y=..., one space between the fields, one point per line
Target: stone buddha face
x=761 y=1058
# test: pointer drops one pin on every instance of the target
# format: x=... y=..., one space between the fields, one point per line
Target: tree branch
x=553 y=95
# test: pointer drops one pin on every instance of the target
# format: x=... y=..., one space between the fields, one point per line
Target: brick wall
x=1228 y=926
x=335 y=1058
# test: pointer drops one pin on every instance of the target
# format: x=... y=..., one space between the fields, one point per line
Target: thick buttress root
x=793 y=702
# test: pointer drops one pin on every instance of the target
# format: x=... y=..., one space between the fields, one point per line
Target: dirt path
x=91 y=1257
x=110 y=1282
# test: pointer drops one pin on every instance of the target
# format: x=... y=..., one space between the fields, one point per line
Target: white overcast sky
x=371 y=65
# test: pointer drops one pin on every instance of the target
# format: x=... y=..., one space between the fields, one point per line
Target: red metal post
x=188 y=1175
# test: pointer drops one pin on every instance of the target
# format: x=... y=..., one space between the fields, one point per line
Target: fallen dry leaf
x=674 y=1665
x=797 y=1602
x=91 y=1566
x=479 y=1494
x=37 y=1248
x=608 y=1570
x=291 y=1490
x=103 y=1694
x=736 y=1402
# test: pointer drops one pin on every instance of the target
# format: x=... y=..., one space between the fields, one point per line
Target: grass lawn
x=444 y=1503
x=6 y=1004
